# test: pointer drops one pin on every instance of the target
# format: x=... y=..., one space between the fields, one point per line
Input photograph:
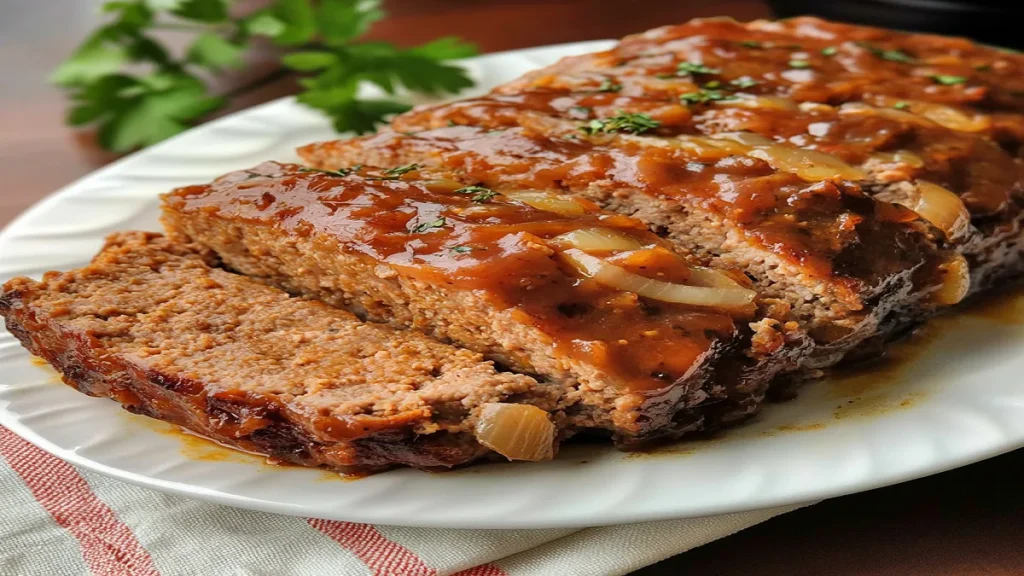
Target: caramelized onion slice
x=951 y=117
x=758 y=102
x=549 y=202
x=898 y=157
x=942 y=208
x=700 y=276
x=621 y=279
x=956 y=282
x=597 y=240
x=516 y=431
x=810 y=165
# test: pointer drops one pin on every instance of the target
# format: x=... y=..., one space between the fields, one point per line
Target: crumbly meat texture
x=891 y=114
x=417 y=253
x=152 y=325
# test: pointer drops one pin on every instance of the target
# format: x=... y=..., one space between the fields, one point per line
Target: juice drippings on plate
x=1004 y=306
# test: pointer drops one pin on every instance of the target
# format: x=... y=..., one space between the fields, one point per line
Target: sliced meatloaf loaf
x=863 y=178
x=152 y=325
x=549 y=286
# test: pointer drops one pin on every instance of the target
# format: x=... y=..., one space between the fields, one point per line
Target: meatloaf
x=586 y=300
x=154 y=326
x=862 y=178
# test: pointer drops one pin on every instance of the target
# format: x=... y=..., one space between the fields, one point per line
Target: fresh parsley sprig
x=136 y=91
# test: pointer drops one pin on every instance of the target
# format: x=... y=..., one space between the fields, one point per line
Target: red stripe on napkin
x=482 y=570
x=108 y=546
x=382 y=556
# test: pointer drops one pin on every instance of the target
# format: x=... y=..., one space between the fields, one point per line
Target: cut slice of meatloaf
x=776 y=148
x=824 y=253
x=585 y=300
x=152 y=325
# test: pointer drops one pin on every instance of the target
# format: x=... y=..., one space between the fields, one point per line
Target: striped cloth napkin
x=58 y=520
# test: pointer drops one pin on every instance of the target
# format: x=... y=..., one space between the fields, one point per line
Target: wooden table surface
x=964 y=522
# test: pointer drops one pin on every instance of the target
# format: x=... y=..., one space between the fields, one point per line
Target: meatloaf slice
x=542 y=284
x=154 y=326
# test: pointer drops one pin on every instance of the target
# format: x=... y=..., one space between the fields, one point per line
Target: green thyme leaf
x=340 y=172
x=829 y=51
x=424 y=226
x=480 y=194
x=684 y=68
x=623 y=122
x=751 y=44
x=608 y=86
x=713 y=84
x=461 y=249
x=704 y=96
x=799 y=64
x=744 y=82
x=947 y=80
x=890 y=55
x=395 y=173
x=901 y=105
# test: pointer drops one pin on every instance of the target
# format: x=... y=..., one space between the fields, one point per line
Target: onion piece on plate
x=956 y=282
x=942 y=208
x=516 y=431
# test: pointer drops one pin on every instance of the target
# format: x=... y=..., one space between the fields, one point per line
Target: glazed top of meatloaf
x=798 y=137
x=564 y=267
x=221 y=339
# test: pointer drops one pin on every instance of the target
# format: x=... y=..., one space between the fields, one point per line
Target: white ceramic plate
x=960 y=398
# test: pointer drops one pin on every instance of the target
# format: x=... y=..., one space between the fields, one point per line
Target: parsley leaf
x=462 y=249
x=947 y=80
x=215 y=52
x=137 y=112
x=424 y=226
x=480 y=194
x=704 y=96
x=608 y=86
x=624 y=122
x=162 y=94
x=209 y=11
x=340 y=21
x=684 y=68
x=97 y=57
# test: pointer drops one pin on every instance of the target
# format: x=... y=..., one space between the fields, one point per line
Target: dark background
x=965 y=522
